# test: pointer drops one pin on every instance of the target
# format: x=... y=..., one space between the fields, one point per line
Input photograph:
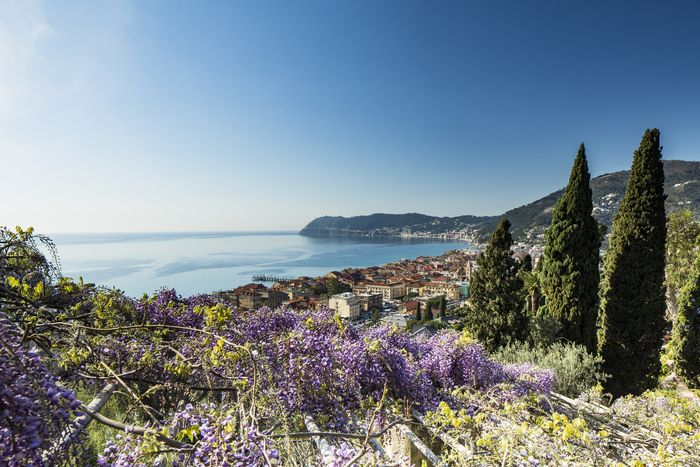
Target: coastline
x=196 y=263
x=472 y=240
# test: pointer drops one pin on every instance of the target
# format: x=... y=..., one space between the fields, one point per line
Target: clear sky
x=246 y=115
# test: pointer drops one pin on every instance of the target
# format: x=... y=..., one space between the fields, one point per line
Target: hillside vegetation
x=682 y=188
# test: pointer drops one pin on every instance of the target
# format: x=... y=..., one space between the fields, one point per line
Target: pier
x=270 y=278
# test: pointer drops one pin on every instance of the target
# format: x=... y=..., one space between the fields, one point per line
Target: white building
x=346 y=304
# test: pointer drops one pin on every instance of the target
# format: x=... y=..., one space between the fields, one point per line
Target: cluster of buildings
x=395 y=287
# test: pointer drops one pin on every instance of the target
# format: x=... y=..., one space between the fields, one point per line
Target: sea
x=204 y=262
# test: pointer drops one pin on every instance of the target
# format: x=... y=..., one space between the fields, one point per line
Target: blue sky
x=233 y=115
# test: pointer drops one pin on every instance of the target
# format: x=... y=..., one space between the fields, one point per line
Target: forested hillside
x=682 y=188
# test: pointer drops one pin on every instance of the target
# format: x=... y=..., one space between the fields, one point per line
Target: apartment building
x=450 y=291
x=387 y=291
x=347 y=305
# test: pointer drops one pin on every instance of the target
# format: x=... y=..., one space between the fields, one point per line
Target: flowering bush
x=576 y=370
x=297 y=364
x=34 y=410
x=220 y=438
x=201 y=383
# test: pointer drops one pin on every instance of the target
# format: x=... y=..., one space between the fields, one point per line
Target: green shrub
x=576 y=370
x=685 y=342
x=435 y=324
x=544 y=328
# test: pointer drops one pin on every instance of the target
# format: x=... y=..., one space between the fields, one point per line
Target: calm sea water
x=204 y=262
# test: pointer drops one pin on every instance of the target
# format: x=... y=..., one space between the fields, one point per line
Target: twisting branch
x=149 y=410
x=139 y=430
x=321 y=443
x=113 y=329
x=375 y=414
x=79 y=424
x=337 y=434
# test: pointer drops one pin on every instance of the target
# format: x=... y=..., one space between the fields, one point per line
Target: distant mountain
x=529 y=221
x=389 y=224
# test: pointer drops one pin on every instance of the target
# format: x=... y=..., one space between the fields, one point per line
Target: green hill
x=528 y=221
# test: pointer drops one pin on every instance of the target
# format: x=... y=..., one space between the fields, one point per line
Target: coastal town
x=402 y=292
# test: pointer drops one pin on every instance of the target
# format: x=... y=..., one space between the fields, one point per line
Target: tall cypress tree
x=428 y=314
x=686 y=330
x=632 y=289
x=496 y=314
x=570 y=274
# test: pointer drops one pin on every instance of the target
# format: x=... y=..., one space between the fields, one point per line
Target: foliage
x=25 y=272
x=410 y=323
x=23 y=259
x=632 y=289
x=452 y=360
x=681 y=246
x=409 y=296
x=97 y=434
x=427 y=313
x=310 y=363
x=34 y=409
x=544 y=328
x=654 y=429
x=531 y=288
x=576 y=370
x=496 y=314
x=686 y=330
x=250 y=377
x=224 y=437
x=569 y=275
x=442 y=307
x=336 y=287
x=203 y=383
x=608 y=189
x=319 y=289
x=674 y=419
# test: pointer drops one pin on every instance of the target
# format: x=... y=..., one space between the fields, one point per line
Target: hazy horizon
x=261 y=116
x=279 y=231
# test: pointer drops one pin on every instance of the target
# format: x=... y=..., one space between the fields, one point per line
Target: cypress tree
x=632 y=289
x=570 y=274
x=428 y=315
x=686 y=330
x=418 y=312
x=496 y=314
x=526 y=263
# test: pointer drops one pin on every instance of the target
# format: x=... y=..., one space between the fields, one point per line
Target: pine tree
x=632 y=289
x=496 y=314
x=570 y=274
x=686 y=330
